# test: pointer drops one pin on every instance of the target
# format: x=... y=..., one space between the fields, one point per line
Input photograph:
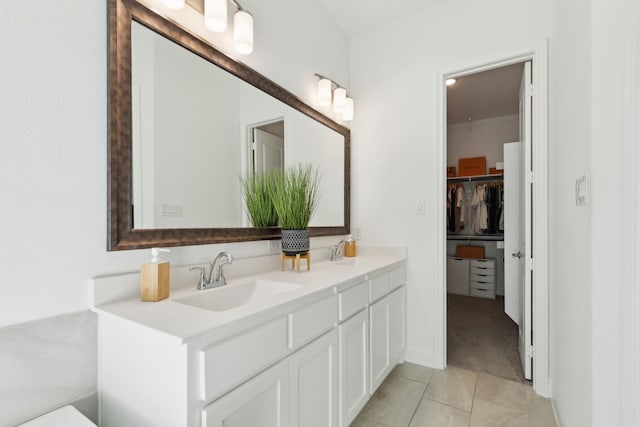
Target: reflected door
x=268 y=151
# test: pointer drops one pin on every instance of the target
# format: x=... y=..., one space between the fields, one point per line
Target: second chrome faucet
x=216 y=273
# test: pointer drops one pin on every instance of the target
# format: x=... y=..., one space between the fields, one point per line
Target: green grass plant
x=294 y=194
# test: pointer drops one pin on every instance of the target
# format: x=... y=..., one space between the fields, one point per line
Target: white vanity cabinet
x=386 y=325
x=311 y=361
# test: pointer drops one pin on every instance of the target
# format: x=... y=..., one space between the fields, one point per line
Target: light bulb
x=215 y=15
x=347 y=113
x=324 y=92
x=339 y=99
x=243 y=32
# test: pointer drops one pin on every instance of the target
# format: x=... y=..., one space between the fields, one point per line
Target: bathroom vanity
x=279 y=349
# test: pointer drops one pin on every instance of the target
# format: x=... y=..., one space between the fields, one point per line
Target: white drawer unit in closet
x=482 y=278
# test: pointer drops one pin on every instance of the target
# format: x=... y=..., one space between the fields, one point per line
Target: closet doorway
x=488 y=215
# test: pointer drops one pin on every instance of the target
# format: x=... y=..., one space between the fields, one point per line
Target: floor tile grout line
x=419 y=401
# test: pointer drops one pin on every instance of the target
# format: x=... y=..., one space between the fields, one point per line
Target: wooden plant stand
x=295 y=261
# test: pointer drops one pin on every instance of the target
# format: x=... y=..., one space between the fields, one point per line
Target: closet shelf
x=475 y=178
x=476 y=237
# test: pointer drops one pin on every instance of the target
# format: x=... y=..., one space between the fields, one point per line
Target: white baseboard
x=422 y=358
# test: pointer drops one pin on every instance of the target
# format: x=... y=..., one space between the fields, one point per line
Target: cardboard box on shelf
x=475 y=252
x=495 y=171
x=472 y=166
x=451 y=171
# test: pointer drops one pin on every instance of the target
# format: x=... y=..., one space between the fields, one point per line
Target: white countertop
x=187 y=323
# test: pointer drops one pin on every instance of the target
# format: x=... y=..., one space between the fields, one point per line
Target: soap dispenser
x=350 y=247
x=154 y=277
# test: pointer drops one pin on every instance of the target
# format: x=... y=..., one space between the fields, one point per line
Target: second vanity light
x=341 y=102
x=215 y=19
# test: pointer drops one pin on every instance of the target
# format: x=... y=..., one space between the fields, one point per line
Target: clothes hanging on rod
x=475 y=206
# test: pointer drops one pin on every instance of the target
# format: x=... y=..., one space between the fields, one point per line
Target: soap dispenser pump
x=154 y=277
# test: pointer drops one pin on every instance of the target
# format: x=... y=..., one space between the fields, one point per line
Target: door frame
x=536 y=52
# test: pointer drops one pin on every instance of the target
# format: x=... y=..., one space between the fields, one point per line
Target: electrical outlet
x=274 y=246
x=420 y=206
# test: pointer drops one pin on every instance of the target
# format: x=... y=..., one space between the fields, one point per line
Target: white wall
x=395 y=154
x=481 y=138
x=570 y=234
x=53 y=168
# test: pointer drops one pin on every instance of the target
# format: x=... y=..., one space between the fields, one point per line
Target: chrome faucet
x=337 y=251
x=216 y=273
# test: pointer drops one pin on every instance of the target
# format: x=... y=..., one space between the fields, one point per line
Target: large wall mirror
x=187 y=122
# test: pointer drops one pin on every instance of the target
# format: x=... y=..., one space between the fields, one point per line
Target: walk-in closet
x=485 y=124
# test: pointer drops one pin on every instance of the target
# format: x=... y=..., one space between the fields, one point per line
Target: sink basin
x=235 y=295
x=348 y=262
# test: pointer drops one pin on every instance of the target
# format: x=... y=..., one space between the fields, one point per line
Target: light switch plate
x=582 y=190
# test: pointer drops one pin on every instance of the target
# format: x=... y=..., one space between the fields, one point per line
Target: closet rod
x=475 y=178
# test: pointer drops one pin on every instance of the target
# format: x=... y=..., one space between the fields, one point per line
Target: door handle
x=517 y=255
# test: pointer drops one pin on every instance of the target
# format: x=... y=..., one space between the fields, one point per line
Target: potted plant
x=294 y=193
x=257 y=200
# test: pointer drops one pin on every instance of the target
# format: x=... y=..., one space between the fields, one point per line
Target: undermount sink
x=348 y=262
x=235 y=295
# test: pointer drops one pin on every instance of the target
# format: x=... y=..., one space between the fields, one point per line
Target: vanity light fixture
x=329 y=91
x=450 y=82
x=215 y=19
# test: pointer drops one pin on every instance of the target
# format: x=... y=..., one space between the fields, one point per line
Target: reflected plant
x=257 y=199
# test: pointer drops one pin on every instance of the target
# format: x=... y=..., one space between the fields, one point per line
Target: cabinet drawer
x=398 y=277
x=482 y=278
x=483 y=271
x=482 y=285
x=483 y=263
x=379 y=286
x=225 y=364
x=483 y=293
x=312 y=321
x=352 y=300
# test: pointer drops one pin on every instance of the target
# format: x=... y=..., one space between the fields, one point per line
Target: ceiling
x=492 y=93
x=478 y=96
x=355 y=16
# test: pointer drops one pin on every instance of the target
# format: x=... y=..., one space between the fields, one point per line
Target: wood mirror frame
x=121 y=234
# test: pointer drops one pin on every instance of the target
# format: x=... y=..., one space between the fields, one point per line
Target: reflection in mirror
x=181 y=120
x=196 y=129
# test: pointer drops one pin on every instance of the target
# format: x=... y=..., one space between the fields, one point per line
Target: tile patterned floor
x=415 y=396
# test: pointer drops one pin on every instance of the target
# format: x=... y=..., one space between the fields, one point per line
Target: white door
x=354 y=367
x=526 y=262
x=378 y=343
x=261 y=401
x=313 y=384
x=517 y=216
x=513 y=229
x=268 y=151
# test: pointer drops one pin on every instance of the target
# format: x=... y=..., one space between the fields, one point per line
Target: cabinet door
x=354 y=367
x=313 y=379
x=261 y=401
x=379 y=342
x=397 y=333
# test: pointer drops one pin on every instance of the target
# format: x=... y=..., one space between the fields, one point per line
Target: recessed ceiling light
x=450 y=82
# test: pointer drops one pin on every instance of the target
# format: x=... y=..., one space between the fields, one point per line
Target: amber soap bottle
x=154 y=277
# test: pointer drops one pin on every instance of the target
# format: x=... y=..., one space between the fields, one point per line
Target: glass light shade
x=324 y=92
x=450 y=82
x=339 y=99
x=243 y=32
x=347 y=113
x=174 y=4
x=215 y=15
